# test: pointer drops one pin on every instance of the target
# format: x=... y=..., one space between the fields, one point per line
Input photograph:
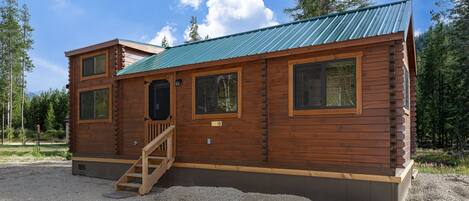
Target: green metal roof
x=355 y=24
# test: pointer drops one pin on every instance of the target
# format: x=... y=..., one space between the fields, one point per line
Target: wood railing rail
x=154 y=128
x=168 y=137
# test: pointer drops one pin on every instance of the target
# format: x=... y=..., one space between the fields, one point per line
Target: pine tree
x=50 y=118
x=305 y=9
x=193 y=31
x=26 y=63
x=164 y=42
x=459 y=68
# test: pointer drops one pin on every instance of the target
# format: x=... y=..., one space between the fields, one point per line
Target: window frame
x=93 y=54
x=237 y=114
x=321 y=111
x=107 y=120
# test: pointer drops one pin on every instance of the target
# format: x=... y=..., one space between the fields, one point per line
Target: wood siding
x=107 y=138
x=93 y=137
x=359 y=143
x=239 y=140
x=376 y=141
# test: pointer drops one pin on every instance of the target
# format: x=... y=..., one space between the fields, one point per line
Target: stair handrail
x=166 y=136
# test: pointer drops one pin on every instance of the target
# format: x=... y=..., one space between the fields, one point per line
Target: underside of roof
x=350 y=25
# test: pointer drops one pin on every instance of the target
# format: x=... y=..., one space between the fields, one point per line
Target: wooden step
x=149 y=165
x=130 y=185
x=156 y=157
x=137 y=175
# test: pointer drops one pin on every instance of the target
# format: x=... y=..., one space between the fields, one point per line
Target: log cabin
x=323 y=108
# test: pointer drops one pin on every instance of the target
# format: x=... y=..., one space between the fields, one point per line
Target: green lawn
x=440 y=162
x=18 y=152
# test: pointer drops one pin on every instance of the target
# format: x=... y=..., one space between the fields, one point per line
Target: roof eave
x=139 y=46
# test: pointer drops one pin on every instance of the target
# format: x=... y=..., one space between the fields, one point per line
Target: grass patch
x=440 y=162
x=15 y=152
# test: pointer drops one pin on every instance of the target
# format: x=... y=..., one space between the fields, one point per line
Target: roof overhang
x=153 y=49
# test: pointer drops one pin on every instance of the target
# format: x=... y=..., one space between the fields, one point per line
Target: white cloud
x=46 y=75
x=417 y=32
x=192 y=3
x=233 y=16
x=167 y=31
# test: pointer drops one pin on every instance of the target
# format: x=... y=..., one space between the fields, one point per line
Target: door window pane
x=217 y=94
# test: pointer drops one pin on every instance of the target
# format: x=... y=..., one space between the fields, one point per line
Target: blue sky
x=61 y=25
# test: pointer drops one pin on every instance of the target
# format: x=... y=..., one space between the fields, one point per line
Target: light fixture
x=178 y=82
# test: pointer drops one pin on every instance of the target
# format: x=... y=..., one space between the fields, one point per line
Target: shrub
x=22 y=136
x=10 y=134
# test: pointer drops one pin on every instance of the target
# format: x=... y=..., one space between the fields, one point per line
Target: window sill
x=216 y=116
x=325 y=111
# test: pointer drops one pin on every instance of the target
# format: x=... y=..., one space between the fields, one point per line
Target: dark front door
x=159 y=103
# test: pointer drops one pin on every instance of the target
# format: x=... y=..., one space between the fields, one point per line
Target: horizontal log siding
x=238 y=141
x=333 y=140
x=132 y=122
x=90 y=138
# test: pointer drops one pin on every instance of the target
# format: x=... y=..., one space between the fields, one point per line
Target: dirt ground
x=52 y=180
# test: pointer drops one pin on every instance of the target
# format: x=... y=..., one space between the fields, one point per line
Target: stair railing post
x=144 y=170
x=169 y=147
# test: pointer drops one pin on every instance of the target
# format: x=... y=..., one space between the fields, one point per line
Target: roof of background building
x=354 y=24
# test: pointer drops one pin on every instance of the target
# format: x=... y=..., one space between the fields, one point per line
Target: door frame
x=170 y=77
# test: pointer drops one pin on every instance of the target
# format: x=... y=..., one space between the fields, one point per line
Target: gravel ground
x=52 y=180
x=439 y=187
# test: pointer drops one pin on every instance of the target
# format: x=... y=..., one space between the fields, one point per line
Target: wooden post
x=144 y=170
x=38 y=135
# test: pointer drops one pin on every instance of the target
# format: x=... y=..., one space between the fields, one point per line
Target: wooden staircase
x=146 y=171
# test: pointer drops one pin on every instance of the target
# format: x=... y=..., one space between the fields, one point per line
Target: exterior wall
x=238 y=141
x=132 y=112
x=354 y=143
x=264 y=135
x=90 y=138
x=103 y=138
x=347 y=143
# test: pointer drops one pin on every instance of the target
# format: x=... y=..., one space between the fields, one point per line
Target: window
x=94 y=104
x=325 y=85
x=95 y=65
x=406 y=88
x=217 y=94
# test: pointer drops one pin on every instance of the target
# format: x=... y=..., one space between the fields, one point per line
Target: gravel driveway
x=52 y=180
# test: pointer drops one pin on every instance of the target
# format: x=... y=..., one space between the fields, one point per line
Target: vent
x=81 y=167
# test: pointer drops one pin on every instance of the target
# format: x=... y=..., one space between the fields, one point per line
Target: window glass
x=308 y=85
x=88 y=66
x=94 y=65
x=340 y=84
x=217 y=94
x=328 y=84
x=101 y=104
x=94 y=104
x=100 y=63
x=86 y=105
